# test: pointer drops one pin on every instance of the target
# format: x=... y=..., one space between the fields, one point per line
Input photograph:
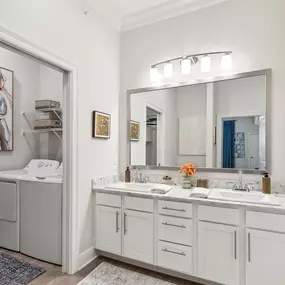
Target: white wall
x=61 y=27
x=192 y=102
x=165 y=102
x=242 y=26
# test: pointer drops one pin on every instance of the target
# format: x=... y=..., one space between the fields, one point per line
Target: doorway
x=15 y=42
x=152 y=117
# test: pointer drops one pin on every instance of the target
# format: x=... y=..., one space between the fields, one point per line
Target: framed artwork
x=6 y=109
x=101 y=126
x=135 y=131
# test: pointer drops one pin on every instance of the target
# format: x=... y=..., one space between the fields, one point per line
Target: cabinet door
x=218 y=253
x=108 y=229
x=265 y=258
x=138 y=238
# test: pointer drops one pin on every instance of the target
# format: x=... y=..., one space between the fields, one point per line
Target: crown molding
x=165 y=11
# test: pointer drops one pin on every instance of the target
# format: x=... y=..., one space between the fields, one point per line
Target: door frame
x=160 y=131
x=70 y=134
x=219 y=143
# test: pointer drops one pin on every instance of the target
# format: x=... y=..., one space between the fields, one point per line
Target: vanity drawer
x=265 y=221
x=111 y=200
x=139 y=204
x=176 y=230
x=218 y=215
x=175 y=257
x=176 y=209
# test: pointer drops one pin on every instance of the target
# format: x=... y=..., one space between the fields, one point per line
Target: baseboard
x=86 y=257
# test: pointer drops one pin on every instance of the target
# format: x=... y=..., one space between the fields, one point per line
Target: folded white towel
x=160 y=189
x=200 y=193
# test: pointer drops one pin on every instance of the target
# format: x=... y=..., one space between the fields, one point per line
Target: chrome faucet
x=240 y=185
x=139 y=176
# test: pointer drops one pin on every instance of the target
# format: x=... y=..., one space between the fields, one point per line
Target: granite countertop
x=183 y=195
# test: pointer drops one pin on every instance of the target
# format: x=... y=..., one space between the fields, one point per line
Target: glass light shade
x=206 y=64
x=227 y=62
x=154 y=74
x=186 y=66
x=168 y=70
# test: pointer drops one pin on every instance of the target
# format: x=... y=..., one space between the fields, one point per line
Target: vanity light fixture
x=206 y=64
x=168 y=70
x=227 y=62
x=189 y=60
x=186 y=66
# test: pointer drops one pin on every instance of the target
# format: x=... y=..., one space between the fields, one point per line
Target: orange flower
x=188 y=169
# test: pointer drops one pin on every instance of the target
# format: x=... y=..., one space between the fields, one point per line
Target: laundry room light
x=168 y=70
x=206 y=64
x=227 y=62
x=186 y=66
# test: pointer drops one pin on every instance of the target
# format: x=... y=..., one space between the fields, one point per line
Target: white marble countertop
x=183 y=195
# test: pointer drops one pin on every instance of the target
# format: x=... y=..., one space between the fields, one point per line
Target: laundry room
x=31 y=168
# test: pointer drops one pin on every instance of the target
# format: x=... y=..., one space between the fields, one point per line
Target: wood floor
x=54 y=276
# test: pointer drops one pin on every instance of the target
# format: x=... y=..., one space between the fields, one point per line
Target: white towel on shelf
x=200 y=192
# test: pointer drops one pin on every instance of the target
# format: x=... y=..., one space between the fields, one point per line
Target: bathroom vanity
x=205 y=240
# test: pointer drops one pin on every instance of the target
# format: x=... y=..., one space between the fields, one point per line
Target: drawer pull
x=235 y=235
x=172 y=225
x=174 y=252
x=171 y=209
x=117 y=222
x=249 y=249
x=125 y=223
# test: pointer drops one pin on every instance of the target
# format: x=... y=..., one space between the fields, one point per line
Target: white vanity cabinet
x=138 y=236
x=265 y=248
x=108 y=229
x=175 y=236
x=218 y=245
x=125 y=226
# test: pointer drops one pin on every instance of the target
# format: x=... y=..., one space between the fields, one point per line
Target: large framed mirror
x=220 y=124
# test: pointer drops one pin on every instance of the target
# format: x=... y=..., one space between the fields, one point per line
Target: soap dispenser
x=128 y=175
x=266 y=184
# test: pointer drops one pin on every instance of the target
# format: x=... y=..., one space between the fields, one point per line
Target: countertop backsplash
x=216 y=180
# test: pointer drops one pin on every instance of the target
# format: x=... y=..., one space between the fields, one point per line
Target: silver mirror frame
x=265 y=72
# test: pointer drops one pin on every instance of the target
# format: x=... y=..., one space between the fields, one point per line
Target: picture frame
x=135 y=131
x=101 y=125
x=6 y=109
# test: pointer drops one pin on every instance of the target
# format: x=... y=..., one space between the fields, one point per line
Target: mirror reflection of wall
x=178 y=125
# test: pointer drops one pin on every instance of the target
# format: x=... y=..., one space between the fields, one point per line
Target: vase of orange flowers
x=188 y=170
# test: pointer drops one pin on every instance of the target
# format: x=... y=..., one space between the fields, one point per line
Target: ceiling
x=131 y=14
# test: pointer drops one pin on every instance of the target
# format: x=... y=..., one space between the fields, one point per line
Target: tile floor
x=54 y=276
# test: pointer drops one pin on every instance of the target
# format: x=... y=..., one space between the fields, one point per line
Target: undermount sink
x=246 y=197
x=137 y=187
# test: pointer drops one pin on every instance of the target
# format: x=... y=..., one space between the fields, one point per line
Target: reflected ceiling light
x=168 y=70
x=154 y=74
x=227 y=62
x=206 y=64
x=186 y=66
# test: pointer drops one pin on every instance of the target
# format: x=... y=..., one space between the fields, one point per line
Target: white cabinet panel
x=138 y=238
x=108 y=200
x=108 y=229
x=175 y=257
x=176 y=209
x=265 y=258
x=218 y=253
x=174 y=229
x=139 y=204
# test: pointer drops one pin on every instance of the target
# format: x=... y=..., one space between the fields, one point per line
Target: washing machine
x=41 y=216
x=10 y=201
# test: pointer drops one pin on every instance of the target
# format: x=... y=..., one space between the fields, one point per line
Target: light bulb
x=154 y=74
x=206 y=64
x=227 y=62
x=186 y=66
x=168 y=70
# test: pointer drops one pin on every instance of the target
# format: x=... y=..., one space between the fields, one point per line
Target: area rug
x=108 y=274
x=16 y=272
